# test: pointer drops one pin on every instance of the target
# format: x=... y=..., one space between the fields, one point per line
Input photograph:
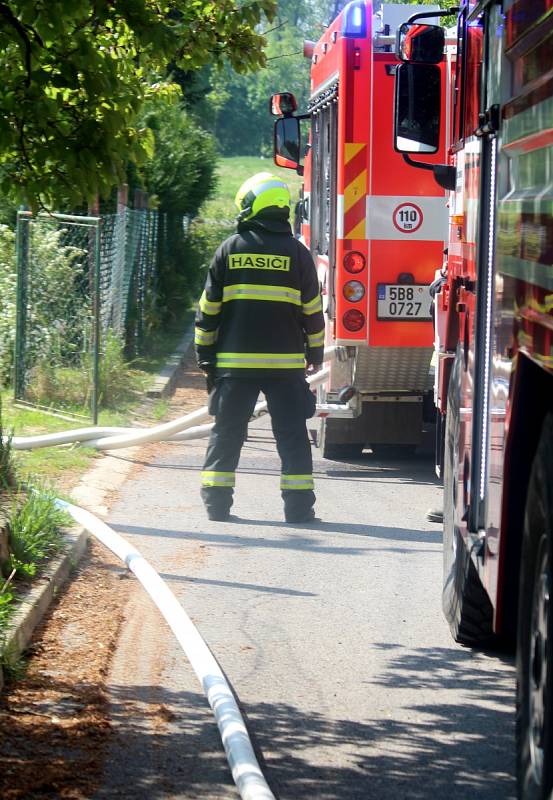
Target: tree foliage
x=75 y=74
x=180 y=175
x=238 y=105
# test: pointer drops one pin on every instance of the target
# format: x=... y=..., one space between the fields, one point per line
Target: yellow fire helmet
x=261 y=191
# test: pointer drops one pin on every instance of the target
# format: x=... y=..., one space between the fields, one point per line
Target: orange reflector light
x=353 y=320
x=354 y=291
x=354 y=262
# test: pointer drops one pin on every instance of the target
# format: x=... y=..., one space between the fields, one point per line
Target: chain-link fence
x=57 y=333
x=81 y=283
x=128 y=272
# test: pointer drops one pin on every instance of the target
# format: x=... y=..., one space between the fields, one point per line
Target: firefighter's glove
x=209 y=371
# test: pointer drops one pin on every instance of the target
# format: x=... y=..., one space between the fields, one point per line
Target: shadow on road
x=406 y=471
x=437 y=749
x=291 y=541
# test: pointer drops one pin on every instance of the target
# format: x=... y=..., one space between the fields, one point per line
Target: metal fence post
x=96 y=323
x=22 y=258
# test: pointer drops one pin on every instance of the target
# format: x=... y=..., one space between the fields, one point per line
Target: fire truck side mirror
x=419 y=43
x=417 y=108
x=287 y=143
x=283 y=104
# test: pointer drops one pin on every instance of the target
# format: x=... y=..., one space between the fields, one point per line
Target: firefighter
x=260 y=327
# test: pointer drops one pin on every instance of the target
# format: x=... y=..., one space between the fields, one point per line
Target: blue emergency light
x=354 y=22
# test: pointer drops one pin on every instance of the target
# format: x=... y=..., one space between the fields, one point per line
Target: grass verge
x=31 y=532
x=62 y=465
x=36 y=534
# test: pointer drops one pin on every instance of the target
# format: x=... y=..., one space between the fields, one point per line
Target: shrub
x=179 y=178
x=58 y=310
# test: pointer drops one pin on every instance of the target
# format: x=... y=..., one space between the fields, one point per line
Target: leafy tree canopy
x=238 y=106
x=75 y=74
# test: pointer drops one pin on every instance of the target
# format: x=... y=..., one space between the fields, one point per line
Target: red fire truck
x=376 y=231
x=494 y=333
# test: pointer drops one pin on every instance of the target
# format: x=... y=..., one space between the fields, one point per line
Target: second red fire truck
x=376 y=232
x=494 y=338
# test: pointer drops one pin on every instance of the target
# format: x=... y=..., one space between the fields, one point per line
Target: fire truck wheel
x=466 y=606
x=535 y=630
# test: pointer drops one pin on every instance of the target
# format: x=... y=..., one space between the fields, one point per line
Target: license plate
x=403 y=301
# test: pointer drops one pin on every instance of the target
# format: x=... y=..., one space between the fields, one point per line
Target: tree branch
x=285 y=55
x=6 y=12
x=276 y=27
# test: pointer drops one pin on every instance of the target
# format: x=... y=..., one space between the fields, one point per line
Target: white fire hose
x=181 y=429
x=245 y=769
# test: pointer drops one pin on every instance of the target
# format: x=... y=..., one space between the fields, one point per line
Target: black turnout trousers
x=232 y=402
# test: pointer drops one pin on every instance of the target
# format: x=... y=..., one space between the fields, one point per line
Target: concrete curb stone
x=94 y=488
x=36 y=601
x=164 y=384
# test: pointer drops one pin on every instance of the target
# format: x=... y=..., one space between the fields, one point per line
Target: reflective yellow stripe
x=296 y=482
x=262 y=360
x=316 y=339
x=202 y=337
x=249 y=291
x=209 y=306
x=210 y=478
x=313 y=306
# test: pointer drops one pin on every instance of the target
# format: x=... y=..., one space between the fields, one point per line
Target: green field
x=231 y=174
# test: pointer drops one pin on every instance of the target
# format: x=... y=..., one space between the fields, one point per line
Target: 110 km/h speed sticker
x=407 y=217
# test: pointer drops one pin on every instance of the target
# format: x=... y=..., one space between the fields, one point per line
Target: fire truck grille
x=393 y=369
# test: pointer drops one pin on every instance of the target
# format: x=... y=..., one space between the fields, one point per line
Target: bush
x=181 y=174
x=202 y=240
x=180 y=177
x=58 y=311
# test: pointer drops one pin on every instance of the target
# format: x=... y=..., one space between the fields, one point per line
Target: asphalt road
x=331 y=635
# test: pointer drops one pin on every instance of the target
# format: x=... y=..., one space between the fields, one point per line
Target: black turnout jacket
x=260 y=311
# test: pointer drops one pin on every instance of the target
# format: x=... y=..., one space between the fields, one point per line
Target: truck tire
x=535 y=630
x=466 y=605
